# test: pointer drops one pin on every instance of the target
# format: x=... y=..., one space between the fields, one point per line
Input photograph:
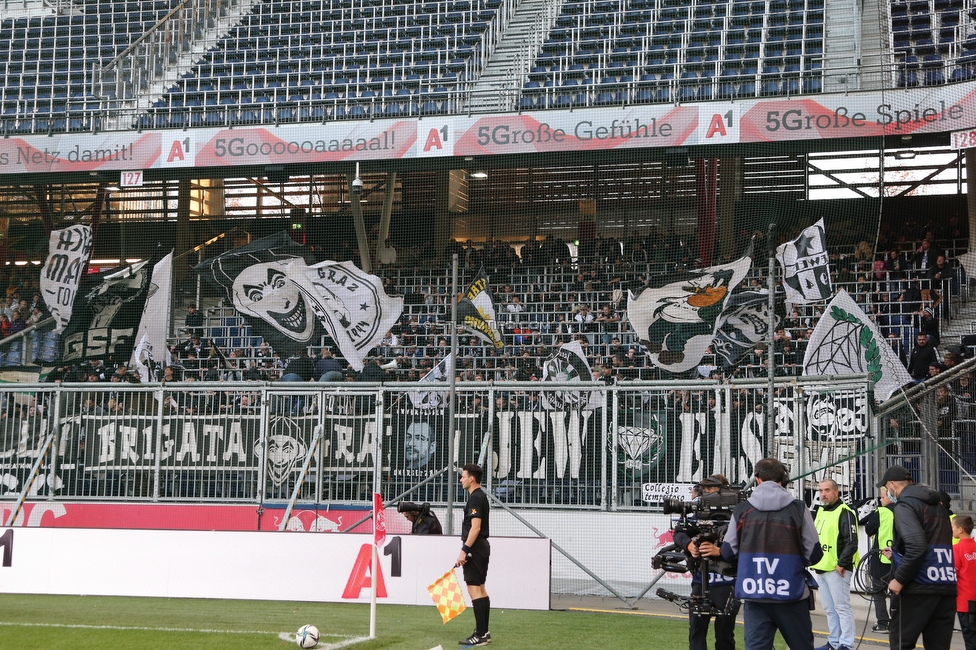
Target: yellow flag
x=447 y=595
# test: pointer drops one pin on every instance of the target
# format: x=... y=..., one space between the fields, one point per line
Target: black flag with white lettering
x=106 y=314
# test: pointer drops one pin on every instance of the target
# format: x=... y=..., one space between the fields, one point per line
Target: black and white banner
x=476 y=312
x=104 y=320
x=744 y=323
x=66 y=264
x=150 y=349
x=290 y=300
x=806 y=266
x=438 y=376
x=568 y=363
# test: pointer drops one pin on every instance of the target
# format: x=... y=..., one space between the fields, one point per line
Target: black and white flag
x=104 y=319
x=847 y=342
x=438 y=375
x=476 y=311
x=150 y=349
x=744 y=323
x=568 y=364
x=291 y=301
x=806 y=266
x=67 y=260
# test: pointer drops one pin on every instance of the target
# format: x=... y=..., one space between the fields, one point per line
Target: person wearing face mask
x=923 y=580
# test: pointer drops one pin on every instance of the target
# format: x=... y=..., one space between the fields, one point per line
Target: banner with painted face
x=291 y=301
x=676 y=322
x=744 y=323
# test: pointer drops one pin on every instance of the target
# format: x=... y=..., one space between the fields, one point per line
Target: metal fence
x=549 y=445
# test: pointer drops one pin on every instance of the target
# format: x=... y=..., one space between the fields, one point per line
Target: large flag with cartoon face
x=676 y=322
x=847 y=342
x=806 y=266
x=291 y=301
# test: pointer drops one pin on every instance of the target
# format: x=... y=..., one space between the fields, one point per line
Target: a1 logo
x=719 y=125
x=360 y=577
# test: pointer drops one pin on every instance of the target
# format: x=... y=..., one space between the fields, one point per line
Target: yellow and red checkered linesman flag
x=447 y=595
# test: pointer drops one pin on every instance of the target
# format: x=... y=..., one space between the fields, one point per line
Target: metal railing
x=548 y=445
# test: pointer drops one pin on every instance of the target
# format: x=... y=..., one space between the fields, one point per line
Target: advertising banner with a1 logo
x=949 y=108
x=247 y=565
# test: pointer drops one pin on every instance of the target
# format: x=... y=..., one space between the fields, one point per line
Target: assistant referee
x=475 y=552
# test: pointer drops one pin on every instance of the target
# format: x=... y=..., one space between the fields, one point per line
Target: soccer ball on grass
x=307 y=636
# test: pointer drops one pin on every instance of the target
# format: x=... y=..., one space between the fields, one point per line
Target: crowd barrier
x=572 y=445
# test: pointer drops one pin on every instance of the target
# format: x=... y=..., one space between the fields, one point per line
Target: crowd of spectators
x=550 y=293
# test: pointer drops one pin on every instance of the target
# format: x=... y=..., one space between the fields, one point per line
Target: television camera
x=424 y=522
x=708 y=521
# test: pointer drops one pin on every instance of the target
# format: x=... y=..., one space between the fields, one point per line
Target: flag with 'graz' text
x=291 y=301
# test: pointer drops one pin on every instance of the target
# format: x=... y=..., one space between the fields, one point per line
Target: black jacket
x=920 y=360
x=920 y=521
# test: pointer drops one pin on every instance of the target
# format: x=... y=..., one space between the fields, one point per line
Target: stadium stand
x=91 y=65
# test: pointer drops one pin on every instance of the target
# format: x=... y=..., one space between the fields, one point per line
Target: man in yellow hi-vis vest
x=837 y=528
x=880 y=527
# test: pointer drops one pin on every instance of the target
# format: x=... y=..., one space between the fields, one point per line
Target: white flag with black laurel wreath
x=847 y=342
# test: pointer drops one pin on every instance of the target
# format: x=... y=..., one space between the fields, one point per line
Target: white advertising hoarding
x=259 y=565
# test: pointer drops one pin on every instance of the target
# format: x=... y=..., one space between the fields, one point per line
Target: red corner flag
x=379 y=520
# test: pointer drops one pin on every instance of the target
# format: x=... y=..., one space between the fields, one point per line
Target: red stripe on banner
x=114 y=151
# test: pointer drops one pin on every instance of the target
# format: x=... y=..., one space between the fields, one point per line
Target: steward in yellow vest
x=837 y=527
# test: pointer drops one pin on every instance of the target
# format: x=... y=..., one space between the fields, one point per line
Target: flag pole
x=770 y=337
x=452 y=384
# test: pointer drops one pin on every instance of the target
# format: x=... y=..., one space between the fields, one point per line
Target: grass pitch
x=83 y=622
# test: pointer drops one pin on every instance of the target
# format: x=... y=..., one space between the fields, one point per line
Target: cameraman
x=422 y=520
x=719 y=585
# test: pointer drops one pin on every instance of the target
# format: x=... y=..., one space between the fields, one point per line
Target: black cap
x=712 y=481
x=895 y=473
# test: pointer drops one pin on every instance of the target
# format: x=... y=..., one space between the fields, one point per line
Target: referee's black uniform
x=475 y=552
x=476 y=568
